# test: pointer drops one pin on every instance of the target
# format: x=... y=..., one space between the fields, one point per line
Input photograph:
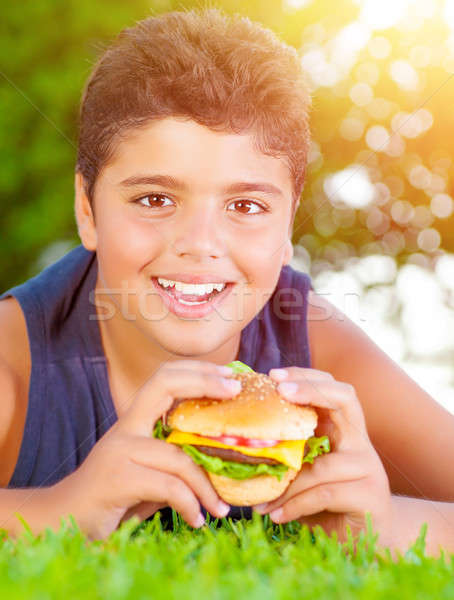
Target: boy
x=191 y=160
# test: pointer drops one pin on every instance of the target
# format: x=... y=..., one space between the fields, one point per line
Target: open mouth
x=192 y=294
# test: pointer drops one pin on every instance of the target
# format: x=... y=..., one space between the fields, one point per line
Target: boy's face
x=192 y=225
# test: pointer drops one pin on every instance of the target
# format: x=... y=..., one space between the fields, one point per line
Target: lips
x=205 y=304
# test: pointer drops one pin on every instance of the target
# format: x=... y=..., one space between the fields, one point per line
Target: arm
x=129 y=472
x=412 y=433
x=342 y=486
x=40 y=507
x=411 y=513
x=15 y=367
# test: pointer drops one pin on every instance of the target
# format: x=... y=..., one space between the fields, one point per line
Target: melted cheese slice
x=289 y=452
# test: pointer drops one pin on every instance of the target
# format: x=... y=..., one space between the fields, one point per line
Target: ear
x=288 y=252
x=84 y=214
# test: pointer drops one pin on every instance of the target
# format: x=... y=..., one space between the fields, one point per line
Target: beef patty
x=227 y=454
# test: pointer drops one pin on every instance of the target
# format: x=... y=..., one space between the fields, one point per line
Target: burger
x=251 y=445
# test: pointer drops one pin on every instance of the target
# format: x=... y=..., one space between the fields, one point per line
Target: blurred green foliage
x=49 y=46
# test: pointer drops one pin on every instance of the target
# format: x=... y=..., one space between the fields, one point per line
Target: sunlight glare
x=383 y=14
x=449 y=13
x=351 y=186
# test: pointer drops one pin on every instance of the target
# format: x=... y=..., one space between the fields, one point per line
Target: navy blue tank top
x=70 y=405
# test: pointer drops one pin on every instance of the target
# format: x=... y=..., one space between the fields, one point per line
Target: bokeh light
x=351 y=186
x=404 y=74
x=442 y=206
x=382 y=82
x=382 y=14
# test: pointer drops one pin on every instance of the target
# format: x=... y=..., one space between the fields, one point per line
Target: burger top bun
x=258 y=411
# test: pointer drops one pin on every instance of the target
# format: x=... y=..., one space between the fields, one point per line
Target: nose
x=198 y=233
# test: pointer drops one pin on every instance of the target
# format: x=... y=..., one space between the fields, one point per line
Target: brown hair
x=227 y=73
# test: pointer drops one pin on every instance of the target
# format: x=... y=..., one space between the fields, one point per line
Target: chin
x=187 y=348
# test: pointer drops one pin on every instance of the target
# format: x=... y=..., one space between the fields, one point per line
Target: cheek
x=129 y=243
x=264 y=250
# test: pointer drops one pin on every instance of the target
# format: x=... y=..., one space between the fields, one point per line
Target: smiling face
x=180 y=201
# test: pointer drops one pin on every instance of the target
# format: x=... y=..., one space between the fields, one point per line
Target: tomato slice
x=233 y=440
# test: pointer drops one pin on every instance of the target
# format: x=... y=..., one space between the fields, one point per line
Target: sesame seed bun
x=258 y=411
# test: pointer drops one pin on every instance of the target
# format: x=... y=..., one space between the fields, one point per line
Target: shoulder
x=328 y=331
x=15 y=368
x=14 y=342
x=331 y=332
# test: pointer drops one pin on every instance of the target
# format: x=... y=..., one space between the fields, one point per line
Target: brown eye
x=155 y=201
x=245 y=205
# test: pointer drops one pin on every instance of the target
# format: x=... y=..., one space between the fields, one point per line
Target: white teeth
x=165 y=282
x=191 y=303
x=199 y=289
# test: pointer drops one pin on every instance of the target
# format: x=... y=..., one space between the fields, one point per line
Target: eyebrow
x=177 y=184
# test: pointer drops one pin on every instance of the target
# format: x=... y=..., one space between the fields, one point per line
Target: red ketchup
x=233 y=440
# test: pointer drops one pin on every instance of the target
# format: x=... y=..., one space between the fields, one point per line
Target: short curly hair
x=225 y=72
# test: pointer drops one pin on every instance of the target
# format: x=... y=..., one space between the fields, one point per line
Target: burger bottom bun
x=255 y=490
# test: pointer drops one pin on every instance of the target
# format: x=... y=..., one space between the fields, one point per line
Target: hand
x=128 y=472
x=340 y=487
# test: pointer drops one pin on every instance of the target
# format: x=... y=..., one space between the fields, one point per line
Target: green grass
x=235 y=560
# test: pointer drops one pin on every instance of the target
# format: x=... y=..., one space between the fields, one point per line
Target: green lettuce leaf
x=239 y=367
x=317 y=446
x=161 y=431
x=234 y=470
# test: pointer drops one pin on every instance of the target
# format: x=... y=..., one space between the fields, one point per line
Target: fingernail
x=261 y=508
x=278 y=374
x=287 y=388
x=223 y=509
x=225 y=370
x=232 y=385
x=276 y=515
x=200 y=520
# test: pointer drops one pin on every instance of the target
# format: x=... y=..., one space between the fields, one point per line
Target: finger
x=290 y=373
x=169 y=458
x=338 y=397
x=328 y=521
x=318 y=519
x=325 y=426
x=166 y=489
x=201 y=366
x=142 y=511
x=328 y=468
x=339 y=497
x=157 y=395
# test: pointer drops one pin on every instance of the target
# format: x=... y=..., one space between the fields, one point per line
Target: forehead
x=195 y=153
